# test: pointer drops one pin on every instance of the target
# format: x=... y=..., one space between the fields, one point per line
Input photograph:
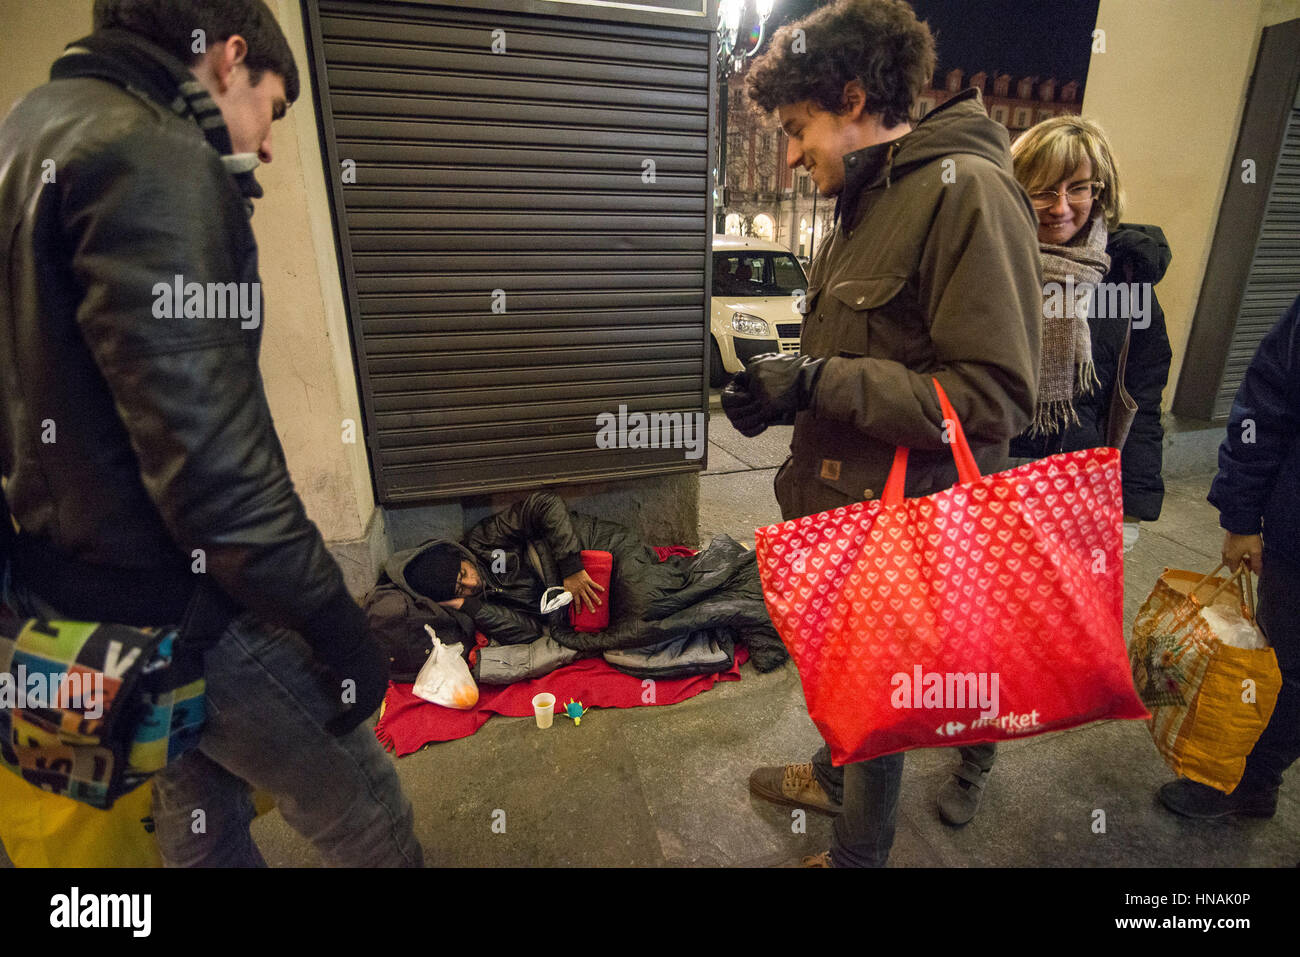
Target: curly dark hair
x=170 y=25
x=877 y=42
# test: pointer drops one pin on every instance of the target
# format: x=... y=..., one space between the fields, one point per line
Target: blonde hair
x=1049 y=151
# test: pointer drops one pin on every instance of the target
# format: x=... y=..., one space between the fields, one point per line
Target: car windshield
x=747 y=273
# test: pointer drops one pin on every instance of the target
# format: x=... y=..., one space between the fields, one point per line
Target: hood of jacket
x=516 y=585
x=960 y=125
x=397 y=563
x=1143 y=249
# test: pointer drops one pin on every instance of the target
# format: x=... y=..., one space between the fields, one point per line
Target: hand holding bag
x=989 y=611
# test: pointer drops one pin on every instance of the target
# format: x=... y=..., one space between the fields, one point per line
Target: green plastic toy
x=574 y=710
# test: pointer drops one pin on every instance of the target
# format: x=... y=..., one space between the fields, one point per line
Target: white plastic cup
x=544 y=709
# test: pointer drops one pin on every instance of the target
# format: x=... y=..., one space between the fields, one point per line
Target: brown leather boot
x=793 y=785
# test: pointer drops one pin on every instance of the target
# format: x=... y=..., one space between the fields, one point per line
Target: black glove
x=366 y=667
x=359 y=681
x=340 y=639
x=772 y=386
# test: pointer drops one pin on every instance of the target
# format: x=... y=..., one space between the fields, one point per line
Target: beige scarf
x=1070 y=274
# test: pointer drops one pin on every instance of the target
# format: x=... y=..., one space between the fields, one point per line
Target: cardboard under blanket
x=409 y=723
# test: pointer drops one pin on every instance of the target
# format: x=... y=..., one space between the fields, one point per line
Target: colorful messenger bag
x=91 y=710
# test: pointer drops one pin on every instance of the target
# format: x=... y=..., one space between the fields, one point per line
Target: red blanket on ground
x=409 y=723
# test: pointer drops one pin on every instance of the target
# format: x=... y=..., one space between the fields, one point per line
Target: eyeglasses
x=1075 y=195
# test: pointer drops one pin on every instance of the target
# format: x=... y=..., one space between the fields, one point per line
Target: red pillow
x=600 y=566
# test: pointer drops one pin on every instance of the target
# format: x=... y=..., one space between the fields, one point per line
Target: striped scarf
x=135 y=64
x=1070 y=274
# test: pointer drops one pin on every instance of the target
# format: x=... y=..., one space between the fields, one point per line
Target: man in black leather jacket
x=141 y=466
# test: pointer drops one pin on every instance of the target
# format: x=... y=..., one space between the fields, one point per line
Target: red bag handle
x=967 y=469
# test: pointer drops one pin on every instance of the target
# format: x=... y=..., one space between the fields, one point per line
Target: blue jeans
x=863 y=832
x=268 y=700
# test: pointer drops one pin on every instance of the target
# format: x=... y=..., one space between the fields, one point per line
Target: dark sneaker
x=960 y=796
x=1194 y=800
x=793 y=785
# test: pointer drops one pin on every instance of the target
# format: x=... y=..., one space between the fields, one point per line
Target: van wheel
x=718 y=376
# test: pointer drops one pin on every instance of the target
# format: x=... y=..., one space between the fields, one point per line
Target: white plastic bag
x=1231 y=627
x=444 y=678
x=555 y=598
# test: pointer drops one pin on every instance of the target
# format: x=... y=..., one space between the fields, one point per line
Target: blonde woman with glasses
x=1105 y=354
x=1090 y=387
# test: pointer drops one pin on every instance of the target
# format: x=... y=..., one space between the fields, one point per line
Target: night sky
x=1020 y=37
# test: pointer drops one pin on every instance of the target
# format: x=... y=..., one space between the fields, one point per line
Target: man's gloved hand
x=772 y=386
x=360 y=681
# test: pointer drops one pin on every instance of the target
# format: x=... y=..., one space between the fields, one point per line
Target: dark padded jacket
x=1137 y=254
x=515 y=552
x=1257 y=488
x=163 y=441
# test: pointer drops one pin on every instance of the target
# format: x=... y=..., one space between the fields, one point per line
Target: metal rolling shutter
x=1274 y=278
x=1253 y=270
x=522 y=172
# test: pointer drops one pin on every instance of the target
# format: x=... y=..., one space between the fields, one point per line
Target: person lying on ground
x=685 y=612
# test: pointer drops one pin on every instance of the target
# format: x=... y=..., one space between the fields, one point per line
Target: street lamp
x=731 y=13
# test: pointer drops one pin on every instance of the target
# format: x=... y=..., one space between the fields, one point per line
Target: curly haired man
x=932 y=271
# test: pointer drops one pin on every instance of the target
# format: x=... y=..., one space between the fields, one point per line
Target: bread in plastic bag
x=444 y=678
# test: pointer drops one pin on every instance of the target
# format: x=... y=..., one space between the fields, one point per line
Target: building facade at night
x=1015 y=103
x=768 y=200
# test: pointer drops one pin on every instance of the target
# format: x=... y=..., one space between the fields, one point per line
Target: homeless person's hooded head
x=434 y=571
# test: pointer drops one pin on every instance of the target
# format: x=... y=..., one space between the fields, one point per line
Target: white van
x=758 y=290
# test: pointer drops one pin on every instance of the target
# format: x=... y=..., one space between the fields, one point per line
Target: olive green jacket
x=932 y=271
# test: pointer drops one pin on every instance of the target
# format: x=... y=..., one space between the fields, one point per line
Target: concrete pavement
x=668 y=785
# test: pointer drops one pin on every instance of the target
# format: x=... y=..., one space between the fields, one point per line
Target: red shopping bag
x=989 y=611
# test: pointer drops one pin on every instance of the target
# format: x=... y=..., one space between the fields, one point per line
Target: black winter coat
x=1258 y=484
x=1137 y=254
x=519 y=553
